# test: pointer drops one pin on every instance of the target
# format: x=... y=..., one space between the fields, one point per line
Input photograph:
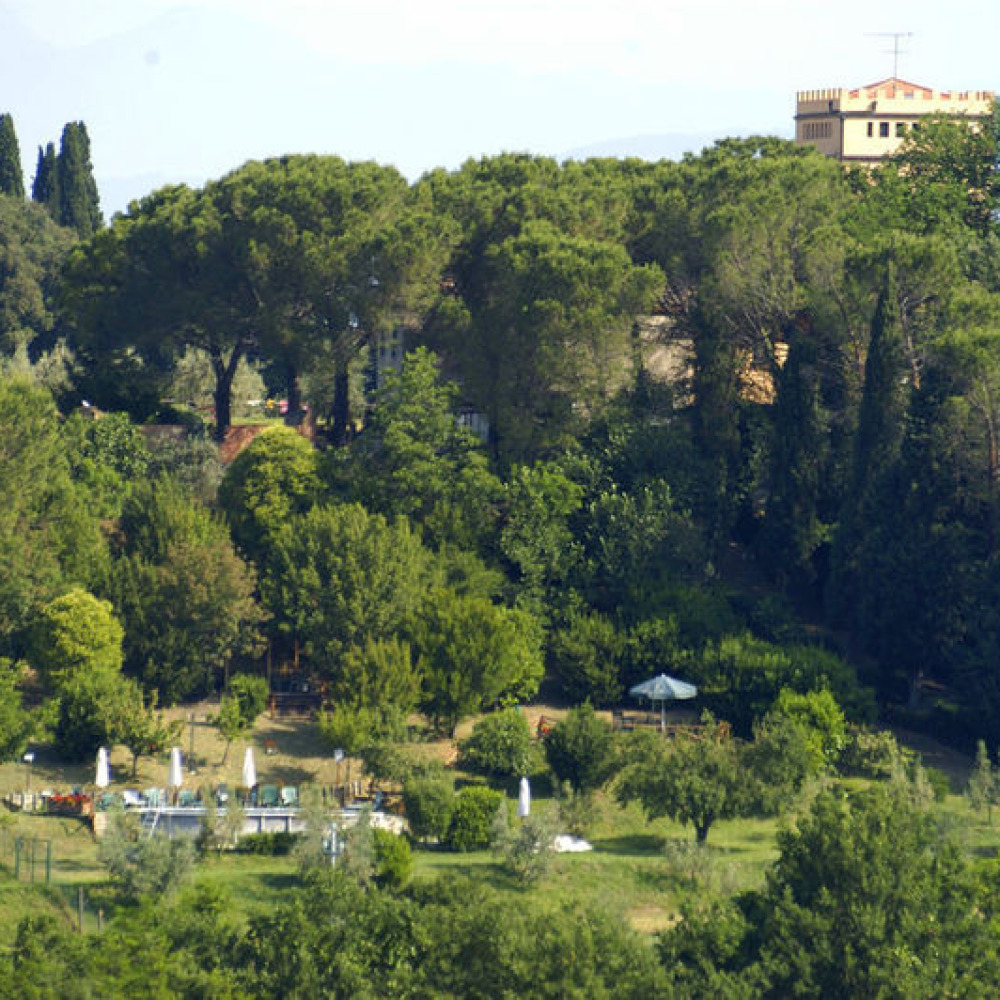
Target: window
x=900 y=129
x=871 y=129
x=883 y=130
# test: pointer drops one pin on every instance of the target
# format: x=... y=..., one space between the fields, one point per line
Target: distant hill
x=669 y=146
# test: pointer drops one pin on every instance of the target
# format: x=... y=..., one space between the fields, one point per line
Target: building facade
x=866 y=125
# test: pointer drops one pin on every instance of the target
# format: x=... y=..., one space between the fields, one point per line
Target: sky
x=186 y=91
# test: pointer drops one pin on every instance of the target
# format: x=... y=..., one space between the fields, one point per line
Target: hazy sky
x=187 y=91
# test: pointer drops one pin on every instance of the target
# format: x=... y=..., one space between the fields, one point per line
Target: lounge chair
x=133 y=799
x=290 y=797
x=222 y=794
x=187 y=799
x=268 y=798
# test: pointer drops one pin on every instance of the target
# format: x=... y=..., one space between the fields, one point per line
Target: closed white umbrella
x=103 y=778
x=249 y=769
x=524 y=799
x=176 y=776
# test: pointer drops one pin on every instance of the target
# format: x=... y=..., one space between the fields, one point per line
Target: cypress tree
x=79 y=207
x=45 y=187
x=883 y=403
x=11 y=175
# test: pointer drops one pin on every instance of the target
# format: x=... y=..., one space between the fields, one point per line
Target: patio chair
x=269 y=796
x=187 y=799
x=133 y=799
x=156 y=798
x=222 y=794
x=290 y=797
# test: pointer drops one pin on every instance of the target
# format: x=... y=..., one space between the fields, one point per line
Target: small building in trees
x=866 y=125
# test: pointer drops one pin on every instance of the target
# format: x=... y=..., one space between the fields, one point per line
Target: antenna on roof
x=896 y=36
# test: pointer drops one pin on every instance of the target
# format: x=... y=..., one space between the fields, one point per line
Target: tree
x=147 y=868
x=585 y=652
x=473 y=655
x=77 y=634
x=11 y=170
x=984 y=787
x=415 y=458
x=49 y=538
x=107 y=456
x=45 y=186
x=338 y=576
x=271 y=481
x=240 y=708
x=581 y=749
x=16 y=723
x=145 y=731
x=887 y=908
x=94 y=710
x=500 y=745
x=380 y=677
x=32 y=250
x=696 y=781
x=187 y=600
x=79 y=204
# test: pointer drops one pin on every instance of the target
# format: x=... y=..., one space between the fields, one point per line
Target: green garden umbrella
x=663 y=689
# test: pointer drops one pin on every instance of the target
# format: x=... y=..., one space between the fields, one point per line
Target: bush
x=500 y=745
x=820 y=719
x=580 y=749
x=276 y=844
x=871 y=754
x=393 y=859
x=472 y=818
x=740 y=677
x=429 y=802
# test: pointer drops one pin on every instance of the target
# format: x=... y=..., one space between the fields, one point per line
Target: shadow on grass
x=644 y=844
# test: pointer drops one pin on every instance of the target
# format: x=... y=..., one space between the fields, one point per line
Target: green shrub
x=393 y=859
x=871 y=754
x=820 y=719
x=500 y=745
x=429 y=802
x=472 y=818
x=276 y=844
x=580 y=749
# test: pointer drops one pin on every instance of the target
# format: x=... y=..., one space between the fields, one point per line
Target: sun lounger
x=290 y=797
x=269 y=796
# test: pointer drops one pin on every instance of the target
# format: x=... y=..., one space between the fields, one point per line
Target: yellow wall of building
x=867 y=124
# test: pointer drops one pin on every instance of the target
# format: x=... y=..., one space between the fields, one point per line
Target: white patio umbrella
x=249 y=769
x=663 y=689
x=524 y=799
x=176 y=776
x=103 y=778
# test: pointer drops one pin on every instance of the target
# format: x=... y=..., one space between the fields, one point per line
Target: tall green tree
x=45 y=186
x=338 y=576
x=11 y=170
x=50 y=538
x=187 y=599
x=415 y=458
x=79 y=203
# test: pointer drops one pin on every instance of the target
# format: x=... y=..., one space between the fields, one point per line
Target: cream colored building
x=867 y=124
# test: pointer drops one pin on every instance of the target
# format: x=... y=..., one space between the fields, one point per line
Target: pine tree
x=45 y=187
x=79 y=206
x=11 y=176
